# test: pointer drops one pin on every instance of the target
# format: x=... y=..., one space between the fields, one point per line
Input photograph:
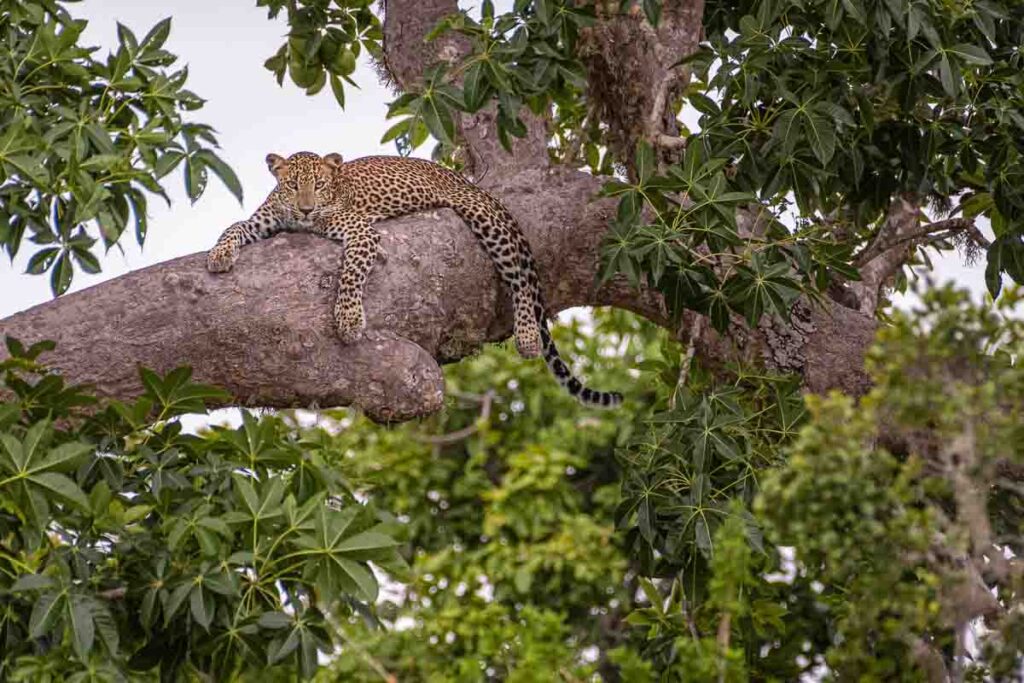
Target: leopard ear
x=333 y=160
x=276 y=164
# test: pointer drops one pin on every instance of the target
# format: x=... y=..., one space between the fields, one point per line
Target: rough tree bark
x=263 y=331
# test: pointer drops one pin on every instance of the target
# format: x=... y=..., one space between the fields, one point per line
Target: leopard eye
x=321 y=184
x=293 y=184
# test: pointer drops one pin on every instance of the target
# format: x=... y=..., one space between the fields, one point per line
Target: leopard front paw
x=221 y=259
x=350 y=323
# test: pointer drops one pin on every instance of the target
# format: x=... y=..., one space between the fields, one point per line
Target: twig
x=444 y=439
x=690 y=623
x=687 y=361
x=113 y=594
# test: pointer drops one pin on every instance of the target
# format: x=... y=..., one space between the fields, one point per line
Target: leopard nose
x=306 y=210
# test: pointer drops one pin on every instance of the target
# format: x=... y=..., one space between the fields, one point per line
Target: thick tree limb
x=264 y=333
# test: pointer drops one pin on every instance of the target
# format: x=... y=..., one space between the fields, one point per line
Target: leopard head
x=305 y=181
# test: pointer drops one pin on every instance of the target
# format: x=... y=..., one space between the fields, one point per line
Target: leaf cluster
x=132 y=548
x=325 y=38
x=86 y=141
x=839 y=106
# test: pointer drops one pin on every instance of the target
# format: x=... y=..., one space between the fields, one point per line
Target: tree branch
x=263 y=331
x=894 y=244
x=461 y=434
x=944 y=228
x=902 y=220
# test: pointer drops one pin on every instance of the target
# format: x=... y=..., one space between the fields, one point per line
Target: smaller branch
x=930 y=661
x=113 y=594
x=670 y=141
x=895 y=242
x=944 y=228
x=901 y=221
x=690 y=623
x=684 y=367
x=454 y=437
x=368 y=657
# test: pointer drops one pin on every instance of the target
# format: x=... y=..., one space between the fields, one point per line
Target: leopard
x=342 y=200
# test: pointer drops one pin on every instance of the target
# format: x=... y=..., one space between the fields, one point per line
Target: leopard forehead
x=304 y=166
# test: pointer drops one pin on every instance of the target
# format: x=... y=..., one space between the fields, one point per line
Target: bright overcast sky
x=224 y=43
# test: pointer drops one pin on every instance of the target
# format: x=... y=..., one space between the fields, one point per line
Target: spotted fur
x=341 y=201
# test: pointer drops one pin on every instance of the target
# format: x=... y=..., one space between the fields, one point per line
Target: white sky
x=224 y=43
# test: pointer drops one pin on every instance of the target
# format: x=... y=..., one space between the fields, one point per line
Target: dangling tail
x=583 y=394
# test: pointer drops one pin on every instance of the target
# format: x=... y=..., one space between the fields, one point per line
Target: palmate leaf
x=175 y=393
x=33 y=474
x=341 y=545
x=257 y=507
x=762 y=287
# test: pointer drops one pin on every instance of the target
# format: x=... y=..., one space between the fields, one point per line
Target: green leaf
x=368 y=540
x=42 y=260
x=277 y=652
x=45 y=614
x=202 y=606
x=63 y=271
x=972 y=54
x=66 y=457
x=157 y=36
x=83 y=632
x=365 y=583
x=126 y=37
x=195 y=178
x=275 y=620
x=223 y=171
x=948 y=79
x=174 y=602
x=822 y=136
x=400 y=128
x=438 y=118
x=62 y=486
x=32 y=582
x=338 y=88
x=168 y=162
x=86 y=260
x=703 y=537
x=644 y=161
